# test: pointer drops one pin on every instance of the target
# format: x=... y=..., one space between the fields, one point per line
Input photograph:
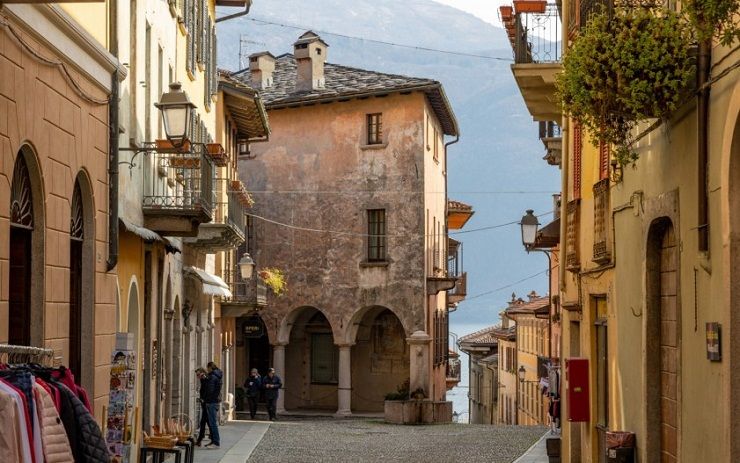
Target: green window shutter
x=214 y=62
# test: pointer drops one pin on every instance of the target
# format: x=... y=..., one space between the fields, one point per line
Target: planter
x=218 y=154
x=165 y=146
x=506 y=11
x=530 y=6
x=184 y=162
x=417 y=411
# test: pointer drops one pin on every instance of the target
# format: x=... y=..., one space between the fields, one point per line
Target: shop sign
x=253 y=328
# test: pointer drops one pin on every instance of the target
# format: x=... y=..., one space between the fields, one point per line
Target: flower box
x=166 y=146
x=506 y=11
x=218 y=154
x=530 y=6
x=184 y=162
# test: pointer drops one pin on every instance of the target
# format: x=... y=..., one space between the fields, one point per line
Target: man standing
x=202 y=376
x=214 y=382
x=253 y=386
x=272 y=384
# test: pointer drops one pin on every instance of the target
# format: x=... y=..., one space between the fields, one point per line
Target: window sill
x=374 y=146
x=379 y=263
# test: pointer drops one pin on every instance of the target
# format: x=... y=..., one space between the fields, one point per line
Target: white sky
x=486 y=10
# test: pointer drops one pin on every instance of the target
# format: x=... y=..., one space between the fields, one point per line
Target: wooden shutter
x=603 y=160
x=214 y=62
x=577 y=154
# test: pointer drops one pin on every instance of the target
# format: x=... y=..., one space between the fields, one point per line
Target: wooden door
x=19 y=330
x=75 y=308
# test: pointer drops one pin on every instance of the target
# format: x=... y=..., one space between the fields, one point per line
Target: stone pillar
x=278 y=363
x=344 y=391
x=419 y=365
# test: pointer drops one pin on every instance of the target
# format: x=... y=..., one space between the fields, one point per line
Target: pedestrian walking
x=202 y=376
x=253 y=386
x=214 y=382
x=271 y=385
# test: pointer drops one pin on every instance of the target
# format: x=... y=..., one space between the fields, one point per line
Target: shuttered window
x=190 y=7
x=603 y=160
x=376 y=248
x=577 y=154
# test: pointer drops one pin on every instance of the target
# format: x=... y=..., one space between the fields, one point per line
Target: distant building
x=482 y=349
x=351 y=204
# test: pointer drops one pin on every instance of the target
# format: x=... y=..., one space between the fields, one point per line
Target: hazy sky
x=486 y=10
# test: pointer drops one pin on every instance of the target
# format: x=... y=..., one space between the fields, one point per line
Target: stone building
x=483 y=358
x=350 y=203
x=56 y=290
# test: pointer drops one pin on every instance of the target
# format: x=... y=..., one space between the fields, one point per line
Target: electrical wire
x=470 y=298
x=381 y=42
x=352 y=192
x=399 y=235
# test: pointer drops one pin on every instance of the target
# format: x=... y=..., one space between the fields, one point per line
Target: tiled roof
x=453 y=205
x=245 y=106
x=489 y=335
x=343 y=82
x=533 y=304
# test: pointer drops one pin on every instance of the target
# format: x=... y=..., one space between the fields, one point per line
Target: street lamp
x=246 y=266
x=176 y=108
x=529 y=225
x=521 y=373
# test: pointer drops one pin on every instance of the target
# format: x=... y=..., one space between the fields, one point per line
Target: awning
x=213 y=285
x=149 y=236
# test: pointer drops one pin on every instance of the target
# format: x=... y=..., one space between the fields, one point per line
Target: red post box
x=576 y=376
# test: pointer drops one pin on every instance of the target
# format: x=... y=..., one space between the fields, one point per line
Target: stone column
x=419 y=368
x=344 y=391
x=278 y=363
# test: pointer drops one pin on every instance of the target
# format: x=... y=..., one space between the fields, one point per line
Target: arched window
x=21 y=236
x=76 y=238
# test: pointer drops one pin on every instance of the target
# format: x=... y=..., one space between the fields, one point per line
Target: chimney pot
x=310 y=56
x=261 y=68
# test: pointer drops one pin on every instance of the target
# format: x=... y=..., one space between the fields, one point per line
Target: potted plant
x=530 y=6
x=218 y=154
x=274 y=279
x=166 y=146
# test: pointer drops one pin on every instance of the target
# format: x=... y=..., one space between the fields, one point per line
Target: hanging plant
x=274 y=279
x=715 y=18
x=623 y=69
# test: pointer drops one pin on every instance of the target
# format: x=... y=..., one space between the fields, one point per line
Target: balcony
x=246 y=295
x=535 y=38
x=178 y=192
x=572 y=259
x=453 y=372
x=458 y=214
x=601 y=254
x=550 y=136
x=226 y=230
x=455 y=270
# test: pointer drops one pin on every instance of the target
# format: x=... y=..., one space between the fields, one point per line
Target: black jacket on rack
x=88 y=444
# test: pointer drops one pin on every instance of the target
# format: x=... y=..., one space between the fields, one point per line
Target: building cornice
x=52 y=26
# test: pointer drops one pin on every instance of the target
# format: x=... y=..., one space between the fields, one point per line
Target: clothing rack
x=26 y=354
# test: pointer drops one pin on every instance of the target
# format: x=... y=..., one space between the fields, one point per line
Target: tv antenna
x=245 y=43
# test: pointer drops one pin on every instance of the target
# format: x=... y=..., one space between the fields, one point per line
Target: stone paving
x=238 y=440
x=359 y=441
x=537 y=453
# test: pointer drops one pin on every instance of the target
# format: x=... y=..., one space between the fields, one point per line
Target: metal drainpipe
x=236 y=15
x=702 y=105
x=113 y=129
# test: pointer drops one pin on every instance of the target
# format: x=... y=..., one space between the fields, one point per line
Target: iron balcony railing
x=572 y=260
x=601 y=254
x=537 y=38
x=228 y=209
x=549 y=129
x=453 y=369
x=247 y=292
x=179 y=182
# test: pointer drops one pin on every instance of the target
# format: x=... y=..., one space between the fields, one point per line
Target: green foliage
x=623 y=69
x=274 y=279
x=402 y=392
x=715 y=18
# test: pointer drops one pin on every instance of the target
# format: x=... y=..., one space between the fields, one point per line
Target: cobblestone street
x=373 y=441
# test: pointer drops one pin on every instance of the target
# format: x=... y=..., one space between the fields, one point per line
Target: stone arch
x=82 y=275
x=311 y=375
x=730 y=261
x=662 y=338
x=27 y=256
x=286 y=324
x=380 y=356
x=355 y=322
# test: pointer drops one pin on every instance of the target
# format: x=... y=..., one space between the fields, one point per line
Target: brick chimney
x=310 y=55
x=261 y=67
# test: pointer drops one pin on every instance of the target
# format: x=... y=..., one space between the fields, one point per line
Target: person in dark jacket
x=271 y=385
x=202 y=376
x=253 y=387
x=212 y=399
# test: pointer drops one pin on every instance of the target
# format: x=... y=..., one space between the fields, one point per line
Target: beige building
x=56 y=290
x=347 y=205
x=483 y=371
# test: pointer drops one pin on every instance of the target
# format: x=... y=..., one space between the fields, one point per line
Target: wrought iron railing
x=537 y=37
x=179 y=182
x=228 y=210
x=454 y=258
x=549 y=129
x=248 y=292
x=453 y=369
x=601 y=253
x=461 y=286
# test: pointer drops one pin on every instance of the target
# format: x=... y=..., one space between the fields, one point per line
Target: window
x=436 y=145
x=374 y=129
x=324 y=359
x=376 y=235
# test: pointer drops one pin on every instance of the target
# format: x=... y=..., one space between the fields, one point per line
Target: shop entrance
x=254 y=350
